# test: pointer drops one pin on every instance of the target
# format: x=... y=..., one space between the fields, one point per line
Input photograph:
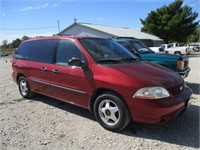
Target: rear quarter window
x=22 y=51
x=42 y=51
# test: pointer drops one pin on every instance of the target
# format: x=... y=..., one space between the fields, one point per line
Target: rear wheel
x=24 y=88
x=111 y=112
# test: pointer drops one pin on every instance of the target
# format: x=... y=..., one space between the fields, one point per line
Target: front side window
x=67 y=50
x=140 y=47
x=42 y=51
x=106 y=51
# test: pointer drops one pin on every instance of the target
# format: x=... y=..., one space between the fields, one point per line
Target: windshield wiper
x=145 y=52
x=128 y=59
x=108 y=61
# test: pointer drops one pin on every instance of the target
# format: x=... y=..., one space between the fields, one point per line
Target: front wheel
x=24 y=88
x=177 y=53
x=111 y=112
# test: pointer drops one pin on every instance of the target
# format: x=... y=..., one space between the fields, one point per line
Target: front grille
x=185 y=63
x=176 y=90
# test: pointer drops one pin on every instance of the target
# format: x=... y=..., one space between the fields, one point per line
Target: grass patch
x=19 y=100
x=8 y=51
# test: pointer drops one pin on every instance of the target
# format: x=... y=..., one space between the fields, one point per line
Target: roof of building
x=115 y=31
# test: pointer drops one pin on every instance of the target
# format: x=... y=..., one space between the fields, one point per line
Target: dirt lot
x=45 y=123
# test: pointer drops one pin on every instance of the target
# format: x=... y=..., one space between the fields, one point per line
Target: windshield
x=106 y=51
x=140 y=47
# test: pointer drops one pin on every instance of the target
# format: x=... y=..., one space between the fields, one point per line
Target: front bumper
x=184 y=73
x=159 y=111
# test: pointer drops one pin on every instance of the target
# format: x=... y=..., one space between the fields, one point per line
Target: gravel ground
x=45 y=123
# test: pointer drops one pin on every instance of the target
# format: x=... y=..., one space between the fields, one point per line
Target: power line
x=29 y=28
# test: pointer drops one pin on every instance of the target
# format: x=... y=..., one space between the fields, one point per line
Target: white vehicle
x=157 y=49
x=173 y=48
x=163 y=47
x=181 y=50
x=195 y=47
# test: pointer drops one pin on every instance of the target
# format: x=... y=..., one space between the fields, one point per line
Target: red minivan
x=100 y=75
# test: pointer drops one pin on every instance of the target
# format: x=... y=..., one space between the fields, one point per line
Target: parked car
x=102 y=76
x=176 y=63
x=173 y=48
x=163 y=47
x=195 y=47
x=3 y=55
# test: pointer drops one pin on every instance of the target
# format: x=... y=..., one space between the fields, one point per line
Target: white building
x=86 y=29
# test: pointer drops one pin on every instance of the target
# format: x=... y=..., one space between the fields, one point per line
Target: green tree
x=16 y=42
x=4 y=44
x=173 y=23
x=195 y=37
x=25 y=38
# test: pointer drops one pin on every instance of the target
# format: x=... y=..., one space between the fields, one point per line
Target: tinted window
x=126 y=45
x=42 y=51
x=140 y=47
x=67 y=50
x=106 y=51
x=22 y=51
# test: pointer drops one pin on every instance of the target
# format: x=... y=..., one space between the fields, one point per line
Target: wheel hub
x=107 y=112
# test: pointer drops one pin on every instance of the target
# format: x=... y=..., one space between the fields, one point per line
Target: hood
x=149 y=74
x=156 y=56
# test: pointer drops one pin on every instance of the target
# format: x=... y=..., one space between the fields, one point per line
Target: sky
x=40 y=17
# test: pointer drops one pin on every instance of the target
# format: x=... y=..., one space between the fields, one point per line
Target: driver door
x=69 y=83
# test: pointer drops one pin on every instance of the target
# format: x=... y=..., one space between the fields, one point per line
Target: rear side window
x=42 y=51
x=67 y=50
x=22 y=51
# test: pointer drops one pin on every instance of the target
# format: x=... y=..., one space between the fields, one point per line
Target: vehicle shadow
x=195 y=87
x=184 y=130
x=64 y=106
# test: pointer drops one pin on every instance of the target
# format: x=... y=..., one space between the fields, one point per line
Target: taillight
x=180 y=64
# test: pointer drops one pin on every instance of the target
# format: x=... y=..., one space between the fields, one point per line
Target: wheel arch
x=179 y=52
x=100 y=91
x=19 y=75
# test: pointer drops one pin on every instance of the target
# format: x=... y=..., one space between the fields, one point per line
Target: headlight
x=151 y=93
x=180 y=64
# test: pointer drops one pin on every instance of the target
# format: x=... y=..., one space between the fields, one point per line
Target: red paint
x=124 y=79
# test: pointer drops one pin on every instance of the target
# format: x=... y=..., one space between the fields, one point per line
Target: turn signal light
x=180 y=64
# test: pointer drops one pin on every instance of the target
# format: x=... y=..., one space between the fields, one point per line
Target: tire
x=24 y=88
x=177 y=53
x=111 y=112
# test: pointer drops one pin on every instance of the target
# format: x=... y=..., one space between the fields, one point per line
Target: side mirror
x=77 y=63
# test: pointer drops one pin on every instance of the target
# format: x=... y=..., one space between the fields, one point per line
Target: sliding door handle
x=55 y=71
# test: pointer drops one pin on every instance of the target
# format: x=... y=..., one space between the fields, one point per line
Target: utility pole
x=58 y=26
x=75 y=20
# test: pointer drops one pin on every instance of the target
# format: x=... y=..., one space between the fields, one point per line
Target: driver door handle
x=43 y=69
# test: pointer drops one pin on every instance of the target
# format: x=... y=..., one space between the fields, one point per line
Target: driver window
x=67 y=50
